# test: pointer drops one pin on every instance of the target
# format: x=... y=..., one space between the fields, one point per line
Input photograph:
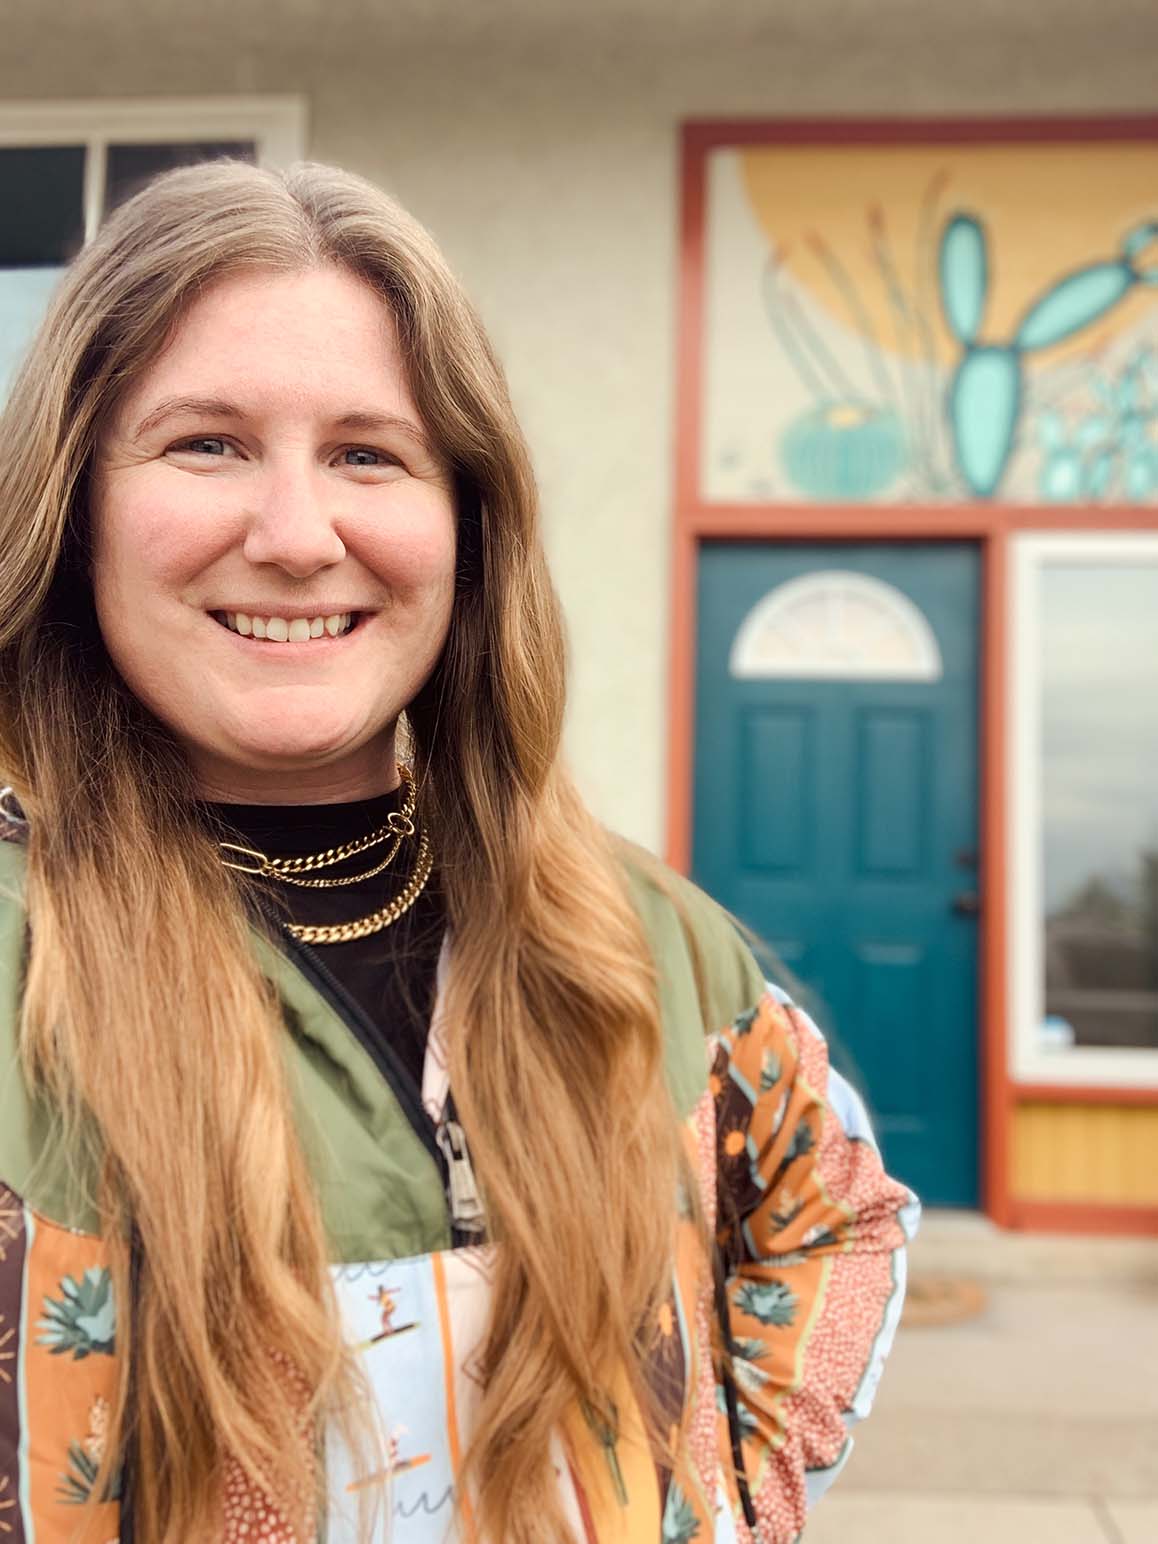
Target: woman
x=360 y=1144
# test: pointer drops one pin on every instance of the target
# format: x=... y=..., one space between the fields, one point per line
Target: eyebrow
x=174 y=407
x=218 y=407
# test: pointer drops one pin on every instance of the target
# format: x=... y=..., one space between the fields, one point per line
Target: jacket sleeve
x=812 y=1233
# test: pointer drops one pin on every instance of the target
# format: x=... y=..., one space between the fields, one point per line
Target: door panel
x=778 y=752
x=831 y=812
x=891 y=758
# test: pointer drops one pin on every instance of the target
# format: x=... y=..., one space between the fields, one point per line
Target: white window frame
x=276 y=125
x=1066 y=1067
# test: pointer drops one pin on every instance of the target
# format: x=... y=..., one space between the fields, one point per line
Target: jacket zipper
x=446 y=1141
x=468 y=1219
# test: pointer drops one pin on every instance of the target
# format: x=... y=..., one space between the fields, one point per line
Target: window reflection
x=24 y=296
x=42 y=196
x=129 y=167
x=1099 y=641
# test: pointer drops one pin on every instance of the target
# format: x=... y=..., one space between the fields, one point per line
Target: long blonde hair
x=145 y=1017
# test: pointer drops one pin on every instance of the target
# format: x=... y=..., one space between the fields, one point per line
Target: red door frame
x=989 y=525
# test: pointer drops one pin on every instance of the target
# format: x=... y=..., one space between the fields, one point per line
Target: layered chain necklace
x=399 y=825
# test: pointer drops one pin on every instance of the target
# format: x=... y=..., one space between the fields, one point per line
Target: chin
x=289 y=748
x=287 y=752
x=282 y=742
x=264 y=745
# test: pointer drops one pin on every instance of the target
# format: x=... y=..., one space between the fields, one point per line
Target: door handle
x=967 y=904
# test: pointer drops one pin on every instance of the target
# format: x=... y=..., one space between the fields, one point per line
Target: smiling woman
x=367 y=1111
x=226 y=484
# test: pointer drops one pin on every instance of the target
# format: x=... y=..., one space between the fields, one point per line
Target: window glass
x=1099 y=673
x=129 y=167
x=24 y=296
x=42 y=196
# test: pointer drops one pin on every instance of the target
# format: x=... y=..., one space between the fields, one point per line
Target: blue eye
x=358 y=455
x=206 y=445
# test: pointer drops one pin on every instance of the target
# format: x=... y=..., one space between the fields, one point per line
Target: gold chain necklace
x=362 y=927
x=289 y=871
x=399 y=824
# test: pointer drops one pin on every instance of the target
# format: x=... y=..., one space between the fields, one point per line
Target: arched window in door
x=835 y=625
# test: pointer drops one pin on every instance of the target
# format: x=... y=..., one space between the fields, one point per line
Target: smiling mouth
x=280 y=629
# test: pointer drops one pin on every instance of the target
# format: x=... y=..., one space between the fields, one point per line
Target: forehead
x=265 y=339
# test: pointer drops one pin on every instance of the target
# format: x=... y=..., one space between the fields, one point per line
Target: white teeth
x=286 y=629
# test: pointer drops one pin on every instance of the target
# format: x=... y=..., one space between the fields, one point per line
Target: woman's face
x=269 y=474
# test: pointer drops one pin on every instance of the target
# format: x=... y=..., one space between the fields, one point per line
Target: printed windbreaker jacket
x=812 y=1236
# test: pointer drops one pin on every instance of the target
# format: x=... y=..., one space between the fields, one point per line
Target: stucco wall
x=542 y=150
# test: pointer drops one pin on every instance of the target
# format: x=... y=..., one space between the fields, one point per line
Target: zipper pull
x=607 y=1435
x=466 y=1208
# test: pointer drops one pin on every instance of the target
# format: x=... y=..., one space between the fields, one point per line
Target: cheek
x=146 y=542
x=117 y=555
x=417 y=559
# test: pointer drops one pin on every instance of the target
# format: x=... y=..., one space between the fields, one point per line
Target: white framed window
x=1083 y=809
x=63 y=165
x=835 y=625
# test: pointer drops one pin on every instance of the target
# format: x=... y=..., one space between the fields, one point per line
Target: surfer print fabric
x=812 y=1233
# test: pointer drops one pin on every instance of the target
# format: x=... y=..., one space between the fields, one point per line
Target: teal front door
x=835 y=812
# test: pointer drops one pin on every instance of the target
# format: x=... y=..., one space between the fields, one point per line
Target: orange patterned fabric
x=810 y=1227
x=68 y=1368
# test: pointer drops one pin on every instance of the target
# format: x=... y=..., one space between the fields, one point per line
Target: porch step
x=966 y=1244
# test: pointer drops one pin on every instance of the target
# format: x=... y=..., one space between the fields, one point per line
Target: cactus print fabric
x=57 y=1374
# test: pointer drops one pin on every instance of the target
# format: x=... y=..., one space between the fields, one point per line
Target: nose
x=291 y=524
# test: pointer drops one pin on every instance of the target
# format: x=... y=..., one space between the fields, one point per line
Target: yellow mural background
x=1048 y=210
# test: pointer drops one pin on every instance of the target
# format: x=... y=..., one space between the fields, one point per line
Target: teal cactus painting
x=931 y=324
x=986 y=390
x=1105 y=447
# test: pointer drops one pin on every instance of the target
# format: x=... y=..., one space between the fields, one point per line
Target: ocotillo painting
x=932 y=323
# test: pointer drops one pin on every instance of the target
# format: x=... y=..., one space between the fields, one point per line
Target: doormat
x=935 y=1300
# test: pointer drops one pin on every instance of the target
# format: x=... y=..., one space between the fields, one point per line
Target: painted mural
x=932 y=323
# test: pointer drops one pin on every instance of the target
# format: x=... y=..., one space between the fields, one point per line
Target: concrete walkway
x=1034 y=1423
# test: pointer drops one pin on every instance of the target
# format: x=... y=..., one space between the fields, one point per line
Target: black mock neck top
x=390 y=974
